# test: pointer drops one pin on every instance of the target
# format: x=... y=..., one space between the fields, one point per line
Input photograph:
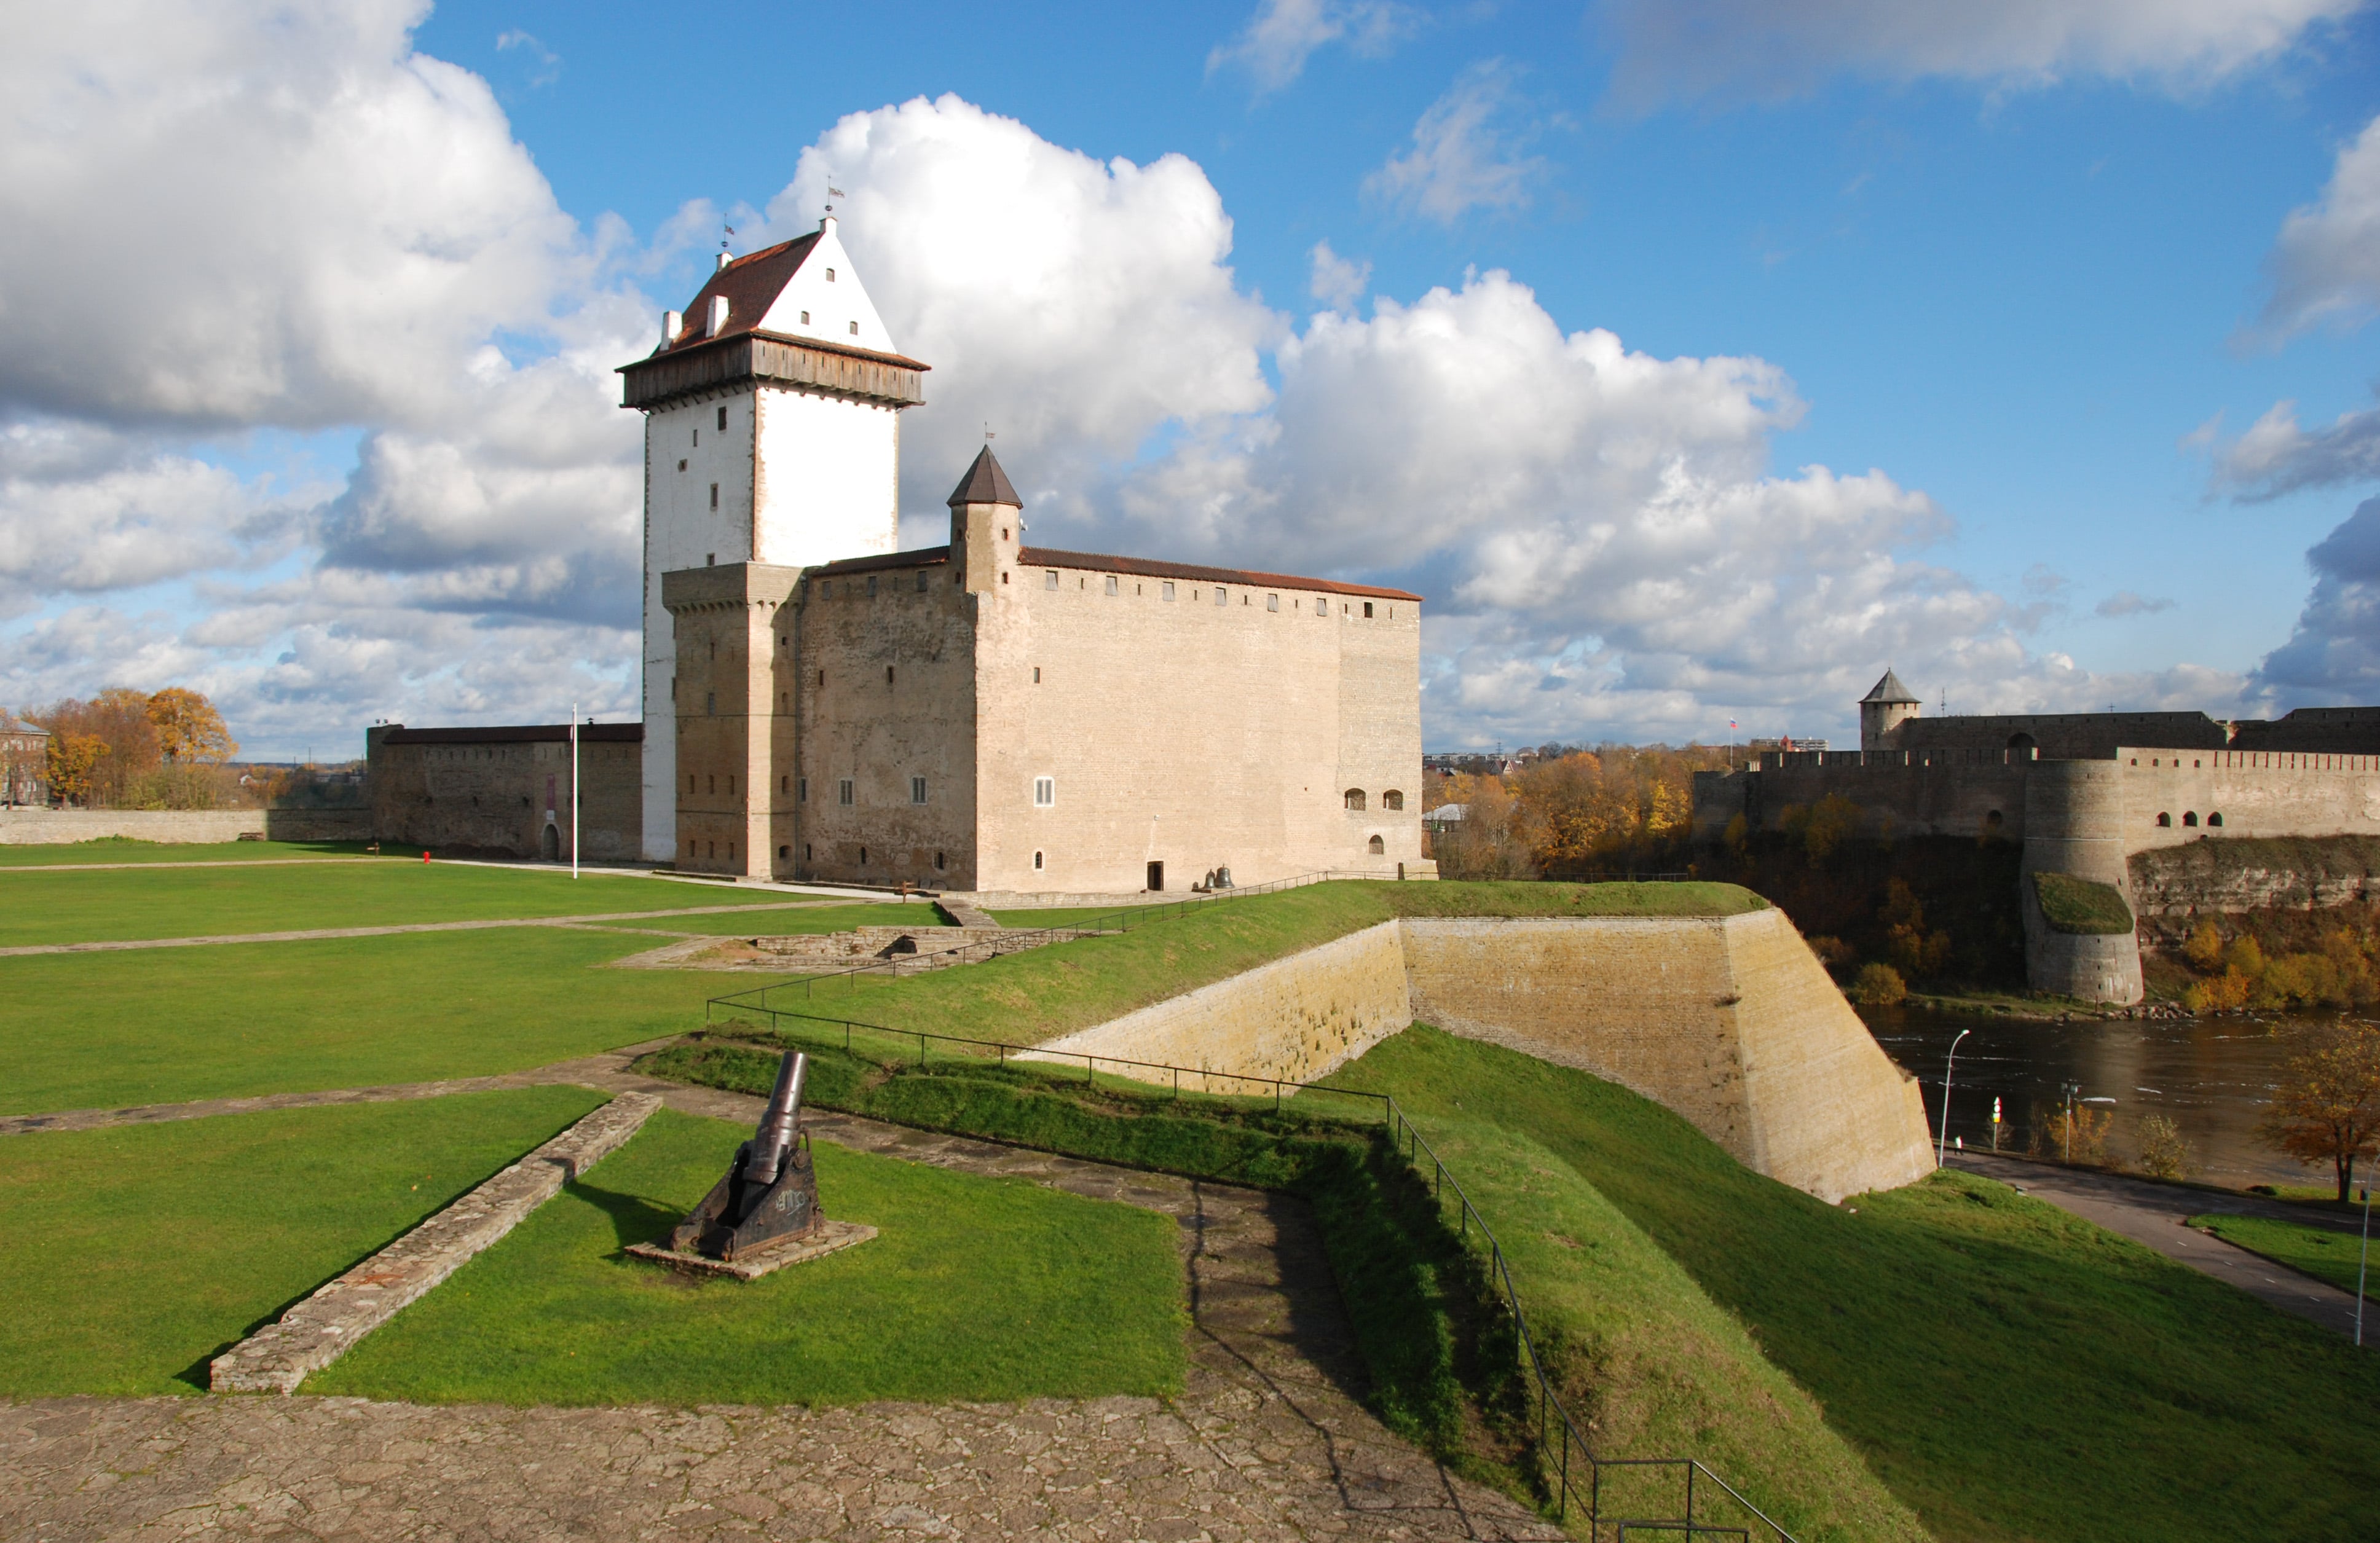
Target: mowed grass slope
x=1028 y=997
x=133 y=1256
x=976 y=1289
x=164 y=900
x=2010 y=1371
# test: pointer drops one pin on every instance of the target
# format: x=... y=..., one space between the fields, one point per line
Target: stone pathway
x=2152 y=1214
x=1266 y=1443
x=118 y=944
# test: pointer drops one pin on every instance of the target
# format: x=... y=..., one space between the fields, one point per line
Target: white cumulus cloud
x=2277 y=455
x=1469 y=150
x=1077 y=305
x=1770 y=50
x=1283 y=34
x=2326 y=264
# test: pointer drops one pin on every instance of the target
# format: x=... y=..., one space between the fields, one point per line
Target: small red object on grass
x=425 y=855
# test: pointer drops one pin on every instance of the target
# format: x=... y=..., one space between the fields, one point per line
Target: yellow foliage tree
x=188 y=727
x=74 y=766
x=2326 y=1107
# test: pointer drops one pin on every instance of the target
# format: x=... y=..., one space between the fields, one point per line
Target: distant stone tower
x=1885 y=708
x=773 y=435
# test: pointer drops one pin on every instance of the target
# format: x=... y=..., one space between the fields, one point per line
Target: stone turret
x=2074 y=825
x=1885 y=708
x=986 y=523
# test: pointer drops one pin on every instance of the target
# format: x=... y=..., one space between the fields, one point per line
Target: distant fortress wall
x=2166 y=796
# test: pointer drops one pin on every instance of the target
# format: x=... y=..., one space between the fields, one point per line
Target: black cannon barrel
x=775 y=1136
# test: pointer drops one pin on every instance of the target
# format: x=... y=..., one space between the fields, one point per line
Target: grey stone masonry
x=319 y=1329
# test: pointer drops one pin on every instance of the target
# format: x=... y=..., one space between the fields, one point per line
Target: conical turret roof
x=984 y=483
x=1889 y=689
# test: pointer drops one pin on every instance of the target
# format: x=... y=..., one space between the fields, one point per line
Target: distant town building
x=24 y=764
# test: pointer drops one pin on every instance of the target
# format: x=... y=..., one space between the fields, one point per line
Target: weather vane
x=832 y=191
x=722 y=240
x=988 y=435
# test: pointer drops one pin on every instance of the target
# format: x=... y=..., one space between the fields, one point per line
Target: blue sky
x=2028 y=270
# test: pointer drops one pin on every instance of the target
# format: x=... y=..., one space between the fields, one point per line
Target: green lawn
x=83 y=1031
x=133 y=1256
x=977 y=1289
x=60 y=907
x=2320 y=1252
x=811 y=917
x=2009 y=1370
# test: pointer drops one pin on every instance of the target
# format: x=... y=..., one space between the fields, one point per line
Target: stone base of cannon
x=828 y=1238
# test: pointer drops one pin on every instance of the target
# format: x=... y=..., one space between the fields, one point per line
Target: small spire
x=984 y=483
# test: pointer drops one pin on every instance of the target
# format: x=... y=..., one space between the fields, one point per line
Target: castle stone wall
x=1179 y=730
x=508 y=796
x=1732 y=1023
x=883 y=680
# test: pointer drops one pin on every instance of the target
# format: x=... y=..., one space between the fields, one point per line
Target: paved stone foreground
x=1268 y=1441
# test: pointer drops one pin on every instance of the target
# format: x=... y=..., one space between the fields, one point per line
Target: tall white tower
x=772 y=434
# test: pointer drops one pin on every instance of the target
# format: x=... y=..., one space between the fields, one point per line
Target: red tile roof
x=1045 y=557
x=751 y=284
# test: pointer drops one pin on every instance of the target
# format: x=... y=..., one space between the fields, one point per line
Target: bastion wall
x=1731 y=1022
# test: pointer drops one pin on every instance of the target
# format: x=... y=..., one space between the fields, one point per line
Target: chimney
x=672 y=325
x=718 y=317
x=724 y=258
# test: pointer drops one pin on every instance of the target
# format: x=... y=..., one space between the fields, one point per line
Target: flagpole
x=574 y=790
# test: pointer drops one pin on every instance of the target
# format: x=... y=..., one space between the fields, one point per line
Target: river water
x=2211 y=1076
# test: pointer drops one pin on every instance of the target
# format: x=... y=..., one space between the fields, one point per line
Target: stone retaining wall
x=1296 y=1018
x=36 y=827
x=1732 y=1022
x=320 y=1329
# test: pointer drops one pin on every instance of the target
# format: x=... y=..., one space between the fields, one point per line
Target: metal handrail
x=1019 y=939
x=1404 y=1134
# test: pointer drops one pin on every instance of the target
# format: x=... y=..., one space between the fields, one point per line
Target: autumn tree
x=74 y=764
x=127 y=748
x=188 y=727
x=2327 y=1106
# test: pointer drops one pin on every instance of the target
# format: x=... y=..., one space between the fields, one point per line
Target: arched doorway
x=551 y=845
x=2023 y=746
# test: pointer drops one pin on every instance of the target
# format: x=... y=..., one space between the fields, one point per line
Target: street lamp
x=2070 y=1089
x=1942 y=1137
x=2364 y=1261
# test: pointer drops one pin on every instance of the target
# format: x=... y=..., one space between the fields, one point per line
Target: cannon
x=770 y=1194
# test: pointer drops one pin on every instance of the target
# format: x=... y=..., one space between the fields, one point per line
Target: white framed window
x=842 y=791
x=855 y=329
x=1272 y=602
x=1322 y=606
x=1111 y=584
x=1045 y=792
x=1050 y=579
x=1220 y=599
x=916 y=790
x=1166 y=591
